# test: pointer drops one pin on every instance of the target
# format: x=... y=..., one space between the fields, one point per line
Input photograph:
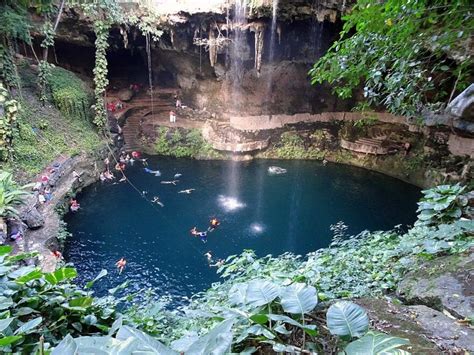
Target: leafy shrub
x=8 y=121
x=292 y=146
x=442 y=204
x=34 y=304
x=172 y=142
x=11 y=196
x=69 y=93
x=397 y=51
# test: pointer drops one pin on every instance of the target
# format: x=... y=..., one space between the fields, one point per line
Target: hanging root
x=259 y=31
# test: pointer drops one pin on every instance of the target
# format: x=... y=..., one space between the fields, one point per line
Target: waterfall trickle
x=150 y=73
x=272 y=51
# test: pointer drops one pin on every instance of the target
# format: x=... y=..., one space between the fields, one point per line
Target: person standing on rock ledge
x=172 y=117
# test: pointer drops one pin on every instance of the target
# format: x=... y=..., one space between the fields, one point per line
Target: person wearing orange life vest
x=213 y=224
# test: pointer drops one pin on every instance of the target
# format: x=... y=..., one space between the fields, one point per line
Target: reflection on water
x=271 y=214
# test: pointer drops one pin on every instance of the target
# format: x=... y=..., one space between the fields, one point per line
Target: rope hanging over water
x=140 y=193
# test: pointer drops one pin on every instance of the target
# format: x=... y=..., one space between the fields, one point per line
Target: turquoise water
x=271 y=214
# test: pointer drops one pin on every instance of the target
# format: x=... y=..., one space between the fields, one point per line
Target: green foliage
x=103 y=13
x=14 y=22
x=43 y=133
x=11 y=195
x=8 y=122
x=292 y=146
x=69 y=93
x=365 y=122
x=400 y=53
x=183 y=144
x=377 y=343
x=35 y=304
x=346 y=319
x=8 y=70
x=48 y=33
x=44 y=77
x=442 y=204
x=100 y=72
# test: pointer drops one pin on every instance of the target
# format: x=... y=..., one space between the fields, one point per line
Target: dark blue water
x=270 y=214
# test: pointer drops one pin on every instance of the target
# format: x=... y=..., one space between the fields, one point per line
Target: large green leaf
x=33 y=275
x=67 y=346
x=5 y=302
x=126 y=333
x=61 y=274
x=238 y=294
x=217 y=341
x=5 y=249
x=29 y=326
x=5 y=323
x=261 y=292
x=101 y=274
x=9 y=340
x=347 y=319
x=81 y=302
x=298 y=298
x=377 y=344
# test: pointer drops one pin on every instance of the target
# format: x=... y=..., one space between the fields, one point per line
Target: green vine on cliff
x=103 y=13
x=9 y=111
x=100 y=72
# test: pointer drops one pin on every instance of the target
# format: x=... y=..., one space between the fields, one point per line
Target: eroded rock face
x=463 y=105
x=429 y=331
x=444 y=283
x=33 y=218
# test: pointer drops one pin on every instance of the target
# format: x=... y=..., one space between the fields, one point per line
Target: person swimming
x=200 y=235
x=172 y=182
x=74 y=205
x=218 y=264
x=187 y=191
x=213 y=224
x=121 y=265
x=154 y=172
x=156 y=200
x=208 y=255
x=177 y=176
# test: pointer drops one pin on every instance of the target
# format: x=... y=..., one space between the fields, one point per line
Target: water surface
x=270 y=214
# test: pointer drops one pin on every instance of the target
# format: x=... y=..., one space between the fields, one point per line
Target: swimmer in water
x=218 y=264
x=208 y=255
x=156 y=200
x=121 y=265
x=173 y=182
x=202 y=235
x=213 y=224
x=187 y=191
x=177 y=176
x=153 y=172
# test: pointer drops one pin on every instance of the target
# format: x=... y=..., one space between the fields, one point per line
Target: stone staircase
x=141 y=111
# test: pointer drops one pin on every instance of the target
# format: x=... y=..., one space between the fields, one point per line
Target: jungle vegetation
x=406 y=56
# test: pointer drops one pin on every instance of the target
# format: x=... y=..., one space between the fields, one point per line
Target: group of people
x=213 y=224
x=115 y=106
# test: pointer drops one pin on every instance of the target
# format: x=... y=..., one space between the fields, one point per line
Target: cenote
x=271 y=214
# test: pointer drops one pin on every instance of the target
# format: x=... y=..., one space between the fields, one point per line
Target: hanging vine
x=100 y=72
x=8 y=116
x=44 y=67
x=103 y=13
